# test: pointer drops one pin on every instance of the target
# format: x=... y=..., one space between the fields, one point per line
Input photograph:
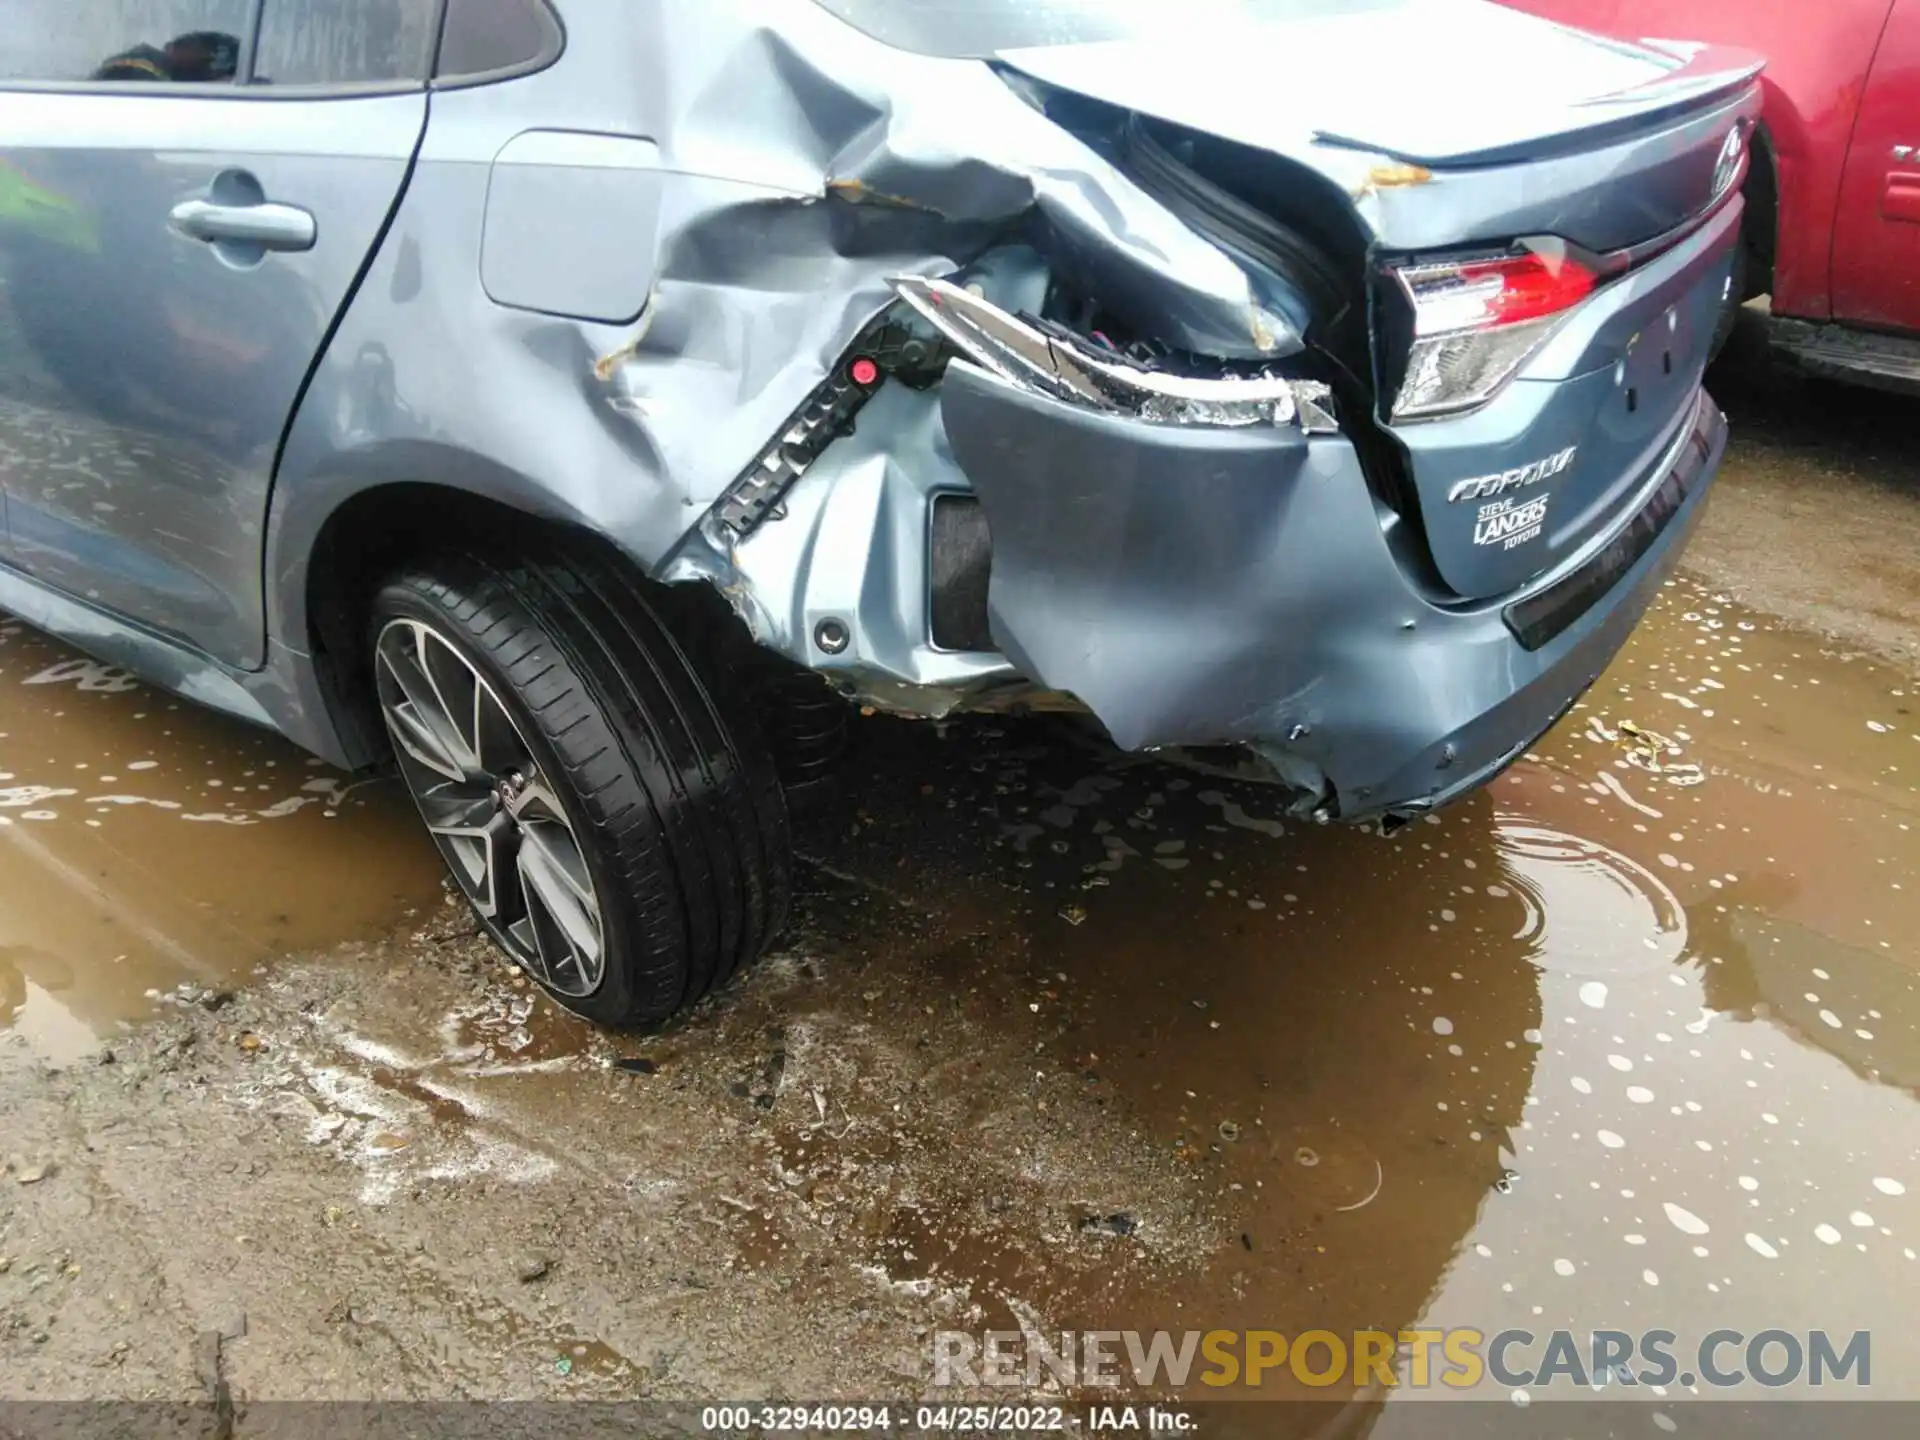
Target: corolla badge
x=1727 y=167
x=1482 y=487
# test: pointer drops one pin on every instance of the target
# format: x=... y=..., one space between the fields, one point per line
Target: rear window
x=975 y=29
x=131 y=41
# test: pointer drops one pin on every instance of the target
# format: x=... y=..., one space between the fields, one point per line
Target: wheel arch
x=329 y=549
x=1760 y=231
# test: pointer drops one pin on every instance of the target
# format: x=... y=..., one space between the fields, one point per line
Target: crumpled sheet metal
x=952 y=137
x=851 y=547
x=803 y=164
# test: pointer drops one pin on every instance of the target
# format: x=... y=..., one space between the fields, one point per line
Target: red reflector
x=1531 y=286
x=864 y=372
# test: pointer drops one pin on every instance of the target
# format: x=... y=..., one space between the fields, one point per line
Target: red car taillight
x=1476 y=321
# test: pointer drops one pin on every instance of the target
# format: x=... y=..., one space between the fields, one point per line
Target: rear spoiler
x=1705 y=72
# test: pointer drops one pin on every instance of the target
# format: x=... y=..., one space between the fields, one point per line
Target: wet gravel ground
x=1060 y=1039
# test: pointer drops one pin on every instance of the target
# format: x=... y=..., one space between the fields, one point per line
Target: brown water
x=1631 y=1039
x=146 y=843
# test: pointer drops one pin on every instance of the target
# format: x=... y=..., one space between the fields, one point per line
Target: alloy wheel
x=489 y=807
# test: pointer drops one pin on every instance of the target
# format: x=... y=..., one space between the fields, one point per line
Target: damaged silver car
x=586 y=403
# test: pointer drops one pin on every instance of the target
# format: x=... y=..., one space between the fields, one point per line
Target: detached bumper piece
x=883 y=351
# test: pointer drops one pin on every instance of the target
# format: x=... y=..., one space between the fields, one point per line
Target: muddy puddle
x=146 y=844
x=1630 y=1040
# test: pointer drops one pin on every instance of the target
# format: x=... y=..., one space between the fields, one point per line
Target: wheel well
x=1762 y=225
x=363 y=542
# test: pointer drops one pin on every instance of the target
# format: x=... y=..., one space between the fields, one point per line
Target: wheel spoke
x=481 y=857
x=553 y=862
x=422 y=741
x=556 y=898
x=415 y=711
x=458 y=809
x=531 y=944
x=535 y=802
x=458 y=690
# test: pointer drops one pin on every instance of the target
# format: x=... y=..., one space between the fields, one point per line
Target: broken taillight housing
x=1080 y=371
x=1475 y=321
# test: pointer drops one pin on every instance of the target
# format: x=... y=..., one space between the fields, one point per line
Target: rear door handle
x=267 y=225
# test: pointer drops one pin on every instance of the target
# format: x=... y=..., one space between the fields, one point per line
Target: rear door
x=188 y=192
x=1876 y=241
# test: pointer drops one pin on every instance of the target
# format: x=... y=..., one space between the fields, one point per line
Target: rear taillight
x=1475 y=321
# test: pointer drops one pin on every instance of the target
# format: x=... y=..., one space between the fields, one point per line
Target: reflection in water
x=1712 y=1135
x=1625 y=1043
x=1859 y=1006
x=1611 y=915
x=1331 y=1032
x=145 y=843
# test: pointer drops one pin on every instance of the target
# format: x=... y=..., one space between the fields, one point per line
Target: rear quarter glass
x=491 y=37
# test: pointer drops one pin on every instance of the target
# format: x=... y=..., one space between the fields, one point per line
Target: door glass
x=344 y=42
x=183 y=41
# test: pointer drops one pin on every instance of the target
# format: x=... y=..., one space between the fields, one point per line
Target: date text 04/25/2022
x=945 y=1419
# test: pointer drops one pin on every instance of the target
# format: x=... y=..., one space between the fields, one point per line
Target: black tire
x=660 y=772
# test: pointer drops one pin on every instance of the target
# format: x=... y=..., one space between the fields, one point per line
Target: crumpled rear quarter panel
x=784 y=165
x=797 y=164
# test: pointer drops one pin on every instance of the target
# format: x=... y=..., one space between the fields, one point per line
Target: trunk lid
x=1436 y=82
x=1520 y=128
x=1569 y=449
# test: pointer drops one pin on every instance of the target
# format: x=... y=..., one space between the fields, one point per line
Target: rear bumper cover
x=1199 y=587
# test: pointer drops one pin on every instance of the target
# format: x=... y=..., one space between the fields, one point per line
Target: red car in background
x=1833 y=197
